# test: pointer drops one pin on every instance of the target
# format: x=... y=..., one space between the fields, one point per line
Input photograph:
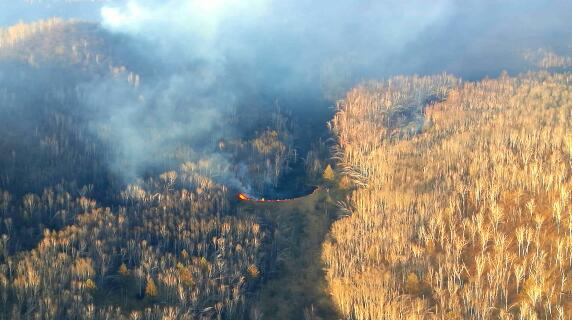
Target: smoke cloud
x=204 y=59
x=291 y=46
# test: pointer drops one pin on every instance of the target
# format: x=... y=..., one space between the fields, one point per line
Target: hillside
x=82 y=238
x=285 y=160
x=75 y=45
x=466 y=218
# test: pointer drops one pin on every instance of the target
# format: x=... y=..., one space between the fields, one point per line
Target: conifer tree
x=150 y=289
x=329 y=174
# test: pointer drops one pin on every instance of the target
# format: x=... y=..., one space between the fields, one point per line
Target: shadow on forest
x=294 y=284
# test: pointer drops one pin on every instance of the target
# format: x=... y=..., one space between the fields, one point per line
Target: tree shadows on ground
x=295 y=286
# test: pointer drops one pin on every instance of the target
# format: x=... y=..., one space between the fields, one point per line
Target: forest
x=79 y=240
x=461 y=214
x=258 y=159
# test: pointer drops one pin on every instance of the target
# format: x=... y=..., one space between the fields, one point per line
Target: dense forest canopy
x=71 y=177
x=467 y=217
x=420 y=152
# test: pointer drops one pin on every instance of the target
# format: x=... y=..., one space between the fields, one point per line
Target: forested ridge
x=54 y=42
x=189 y=160
x=79 y=240
x=468 y=217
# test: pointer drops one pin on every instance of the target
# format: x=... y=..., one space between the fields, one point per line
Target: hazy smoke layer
x=288 y=46
x=203 y=59
x=163 y=122
x=277 y=46
x=218 y=53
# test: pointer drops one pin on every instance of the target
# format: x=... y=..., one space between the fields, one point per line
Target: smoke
x=205 y=59
x=282 y=46
x=163 y=122
x=221 y=53
x=294 y=46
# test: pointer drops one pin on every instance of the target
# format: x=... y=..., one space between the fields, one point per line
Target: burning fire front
x=245 y=197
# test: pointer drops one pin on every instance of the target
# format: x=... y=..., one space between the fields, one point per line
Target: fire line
x=244 y=197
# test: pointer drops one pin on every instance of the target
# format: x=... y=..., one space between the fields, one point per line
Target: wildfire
x=242 y=197
x=245 y=197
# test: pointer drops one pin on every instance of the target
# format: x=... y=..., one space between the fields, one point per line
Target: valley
x=249 y=160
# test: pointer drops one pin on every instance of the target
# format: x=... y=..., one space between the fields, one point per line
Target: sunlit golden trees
x=170 y=236
x=21 y=31
x=150 y=288
x=328 y=174
x=174 y=249
x=463 y=218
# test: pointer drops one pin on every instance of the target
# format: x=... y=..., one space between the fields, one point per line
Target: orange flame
x=243 y=197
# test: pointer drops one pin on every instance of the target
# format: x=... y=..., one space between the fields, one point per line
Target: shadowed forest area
x=79 y=238
x=259 y=159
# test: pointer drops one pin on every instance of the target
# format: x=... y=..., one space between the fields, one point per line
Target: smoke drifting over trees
x=219 y=56
x=127 y=126
x=195 y=64
x=292 y=44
